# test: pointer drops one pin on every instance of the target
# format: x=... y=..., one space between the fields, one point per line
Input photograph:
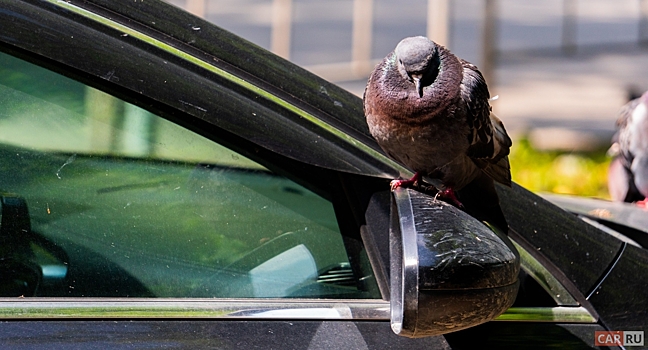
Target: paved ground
x=580 y=93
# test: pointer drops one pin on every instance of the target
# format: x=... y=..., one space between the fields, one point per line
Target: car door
x=162 y=193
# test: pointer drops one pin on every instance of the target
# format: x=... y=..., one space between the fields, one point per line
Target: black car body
x=168 y=184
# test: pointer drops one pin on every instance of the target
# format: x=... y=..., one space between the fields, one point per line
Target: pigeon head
x=418 y=61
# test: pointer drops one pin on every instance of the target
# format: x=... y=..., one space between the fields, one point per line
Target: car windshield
x=116 y=201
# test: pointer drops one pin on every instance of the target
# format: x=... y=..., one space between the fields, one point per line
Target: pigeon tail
x=500 y=171
x=481 y=201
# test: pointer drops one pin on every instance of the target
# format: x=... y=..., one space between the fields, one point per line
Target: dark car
x=166 y=184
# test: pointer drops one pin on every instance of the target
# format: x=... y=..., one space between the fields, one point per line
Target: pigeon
x=628 y=171
x=430 y=111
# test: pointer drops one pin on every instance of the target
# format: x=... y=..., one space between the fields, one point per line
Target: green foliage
x=582 y=174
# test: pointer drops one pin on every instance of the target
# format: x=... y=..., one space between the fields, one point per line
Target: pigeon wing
x=489 y=142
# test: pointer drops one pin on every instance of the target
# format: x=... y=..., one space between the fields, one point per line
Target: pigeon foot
x=394 y=184
x=643 y=203
x=449 y=194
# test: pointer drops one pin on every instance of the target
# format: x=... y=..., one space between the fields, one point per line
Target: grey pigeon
x=430 y=111
x=628 y=172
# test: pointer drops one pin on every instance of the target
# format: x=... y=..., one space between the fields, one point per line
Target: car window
x=103 y=198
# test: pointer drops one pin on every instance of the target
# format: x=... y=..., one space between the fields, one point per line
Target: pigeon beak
x=417 y=82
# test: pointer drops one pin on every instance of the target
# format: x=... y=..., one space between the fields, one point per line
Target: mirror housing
x=448 y=270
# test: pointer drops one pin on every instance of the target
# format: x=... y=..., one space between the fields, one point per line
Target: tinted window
x=111 y=200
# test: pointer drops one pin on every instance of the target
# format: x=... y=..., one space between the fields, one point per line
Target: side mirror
x=448 y=270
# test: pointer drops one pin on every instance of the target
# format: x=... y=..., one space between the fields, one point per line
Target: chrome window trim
x=276 y=309
x=237 y=80
x=139 y=308
x=560 y=314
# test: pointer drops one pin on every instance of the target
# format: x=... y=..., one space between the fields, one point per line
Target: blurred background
x=561 y=68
